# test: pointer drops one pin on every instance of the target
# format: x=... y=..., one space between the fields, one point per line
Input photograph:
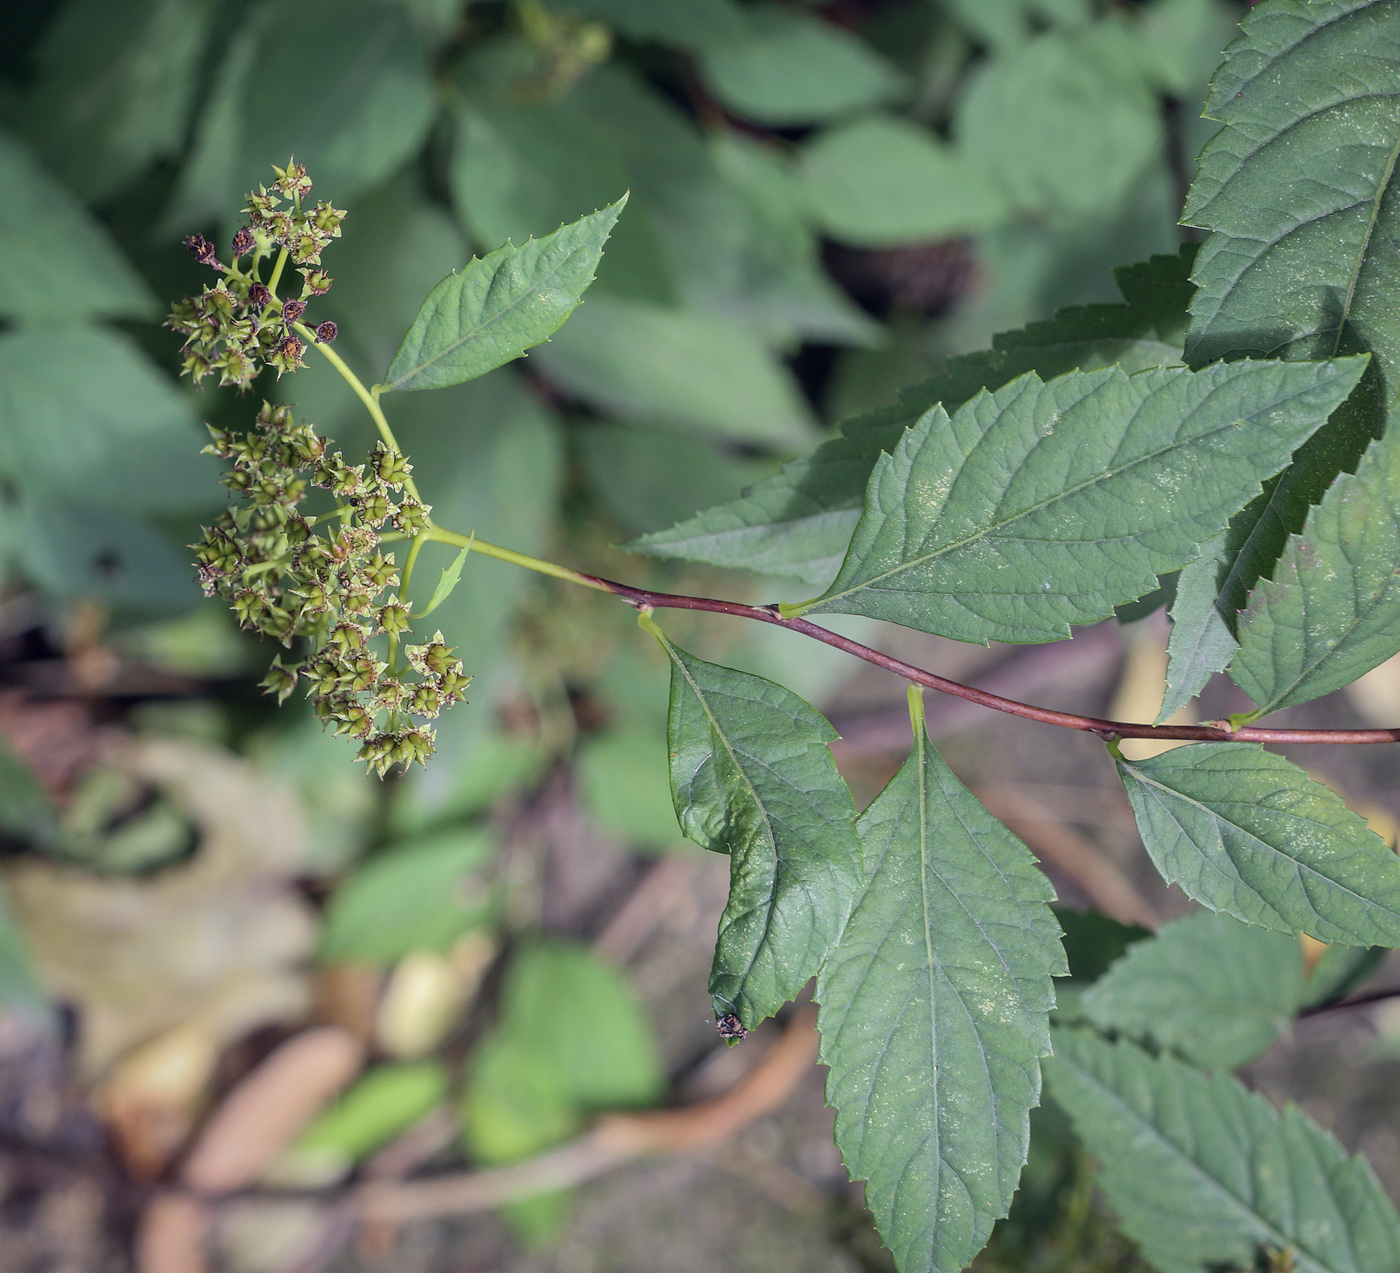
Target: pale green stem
x=487 y=549
x=413 y=550
x=277 y=272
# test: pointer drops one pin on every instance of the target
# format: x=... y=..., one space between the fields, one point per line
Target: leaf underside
x=1206 y=1175
x=1216 y=990
x=1298 y=190
x=797 y=524
x=933 y=1015
x=1047 y=504
x=753 y=777
x=1249 y=834
x=500 y=305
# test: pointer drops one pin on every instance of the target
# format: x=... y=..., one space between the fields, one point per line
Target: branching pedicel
x=281 y=575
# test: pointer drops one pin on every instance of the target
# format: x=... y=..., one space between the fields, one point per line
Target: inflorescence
x=239 y=326
x=288 y=580
x=321 y=589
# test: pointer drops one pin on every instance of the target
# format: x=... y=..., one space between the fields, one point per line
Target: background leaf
x=1046 y=504
x=500 y=305
x=934 y=1014
x=1248 y=833
x=792 y=68
x=753 y=778
x=1216 y=990
x=797 y=524
x=58 y=264
x=1204 y=1174
x=415 y=896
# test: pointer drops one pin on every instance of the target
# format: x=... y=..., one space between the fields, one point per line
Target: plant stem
x=277 y=272
x=414 y=549
x=370 y=399
x=539 y=566
x=788 y=616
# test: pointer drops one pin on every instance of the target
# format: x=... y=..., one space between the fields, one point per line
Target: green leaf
x=447 y=581
x=1298 y=265
x=572 y=1039
x=346 y=88
x=753 y=777
x=886 y=182
x=1332 y=609
x=387 y=1100
x=501 y=305
x=1216 y=990
x=1047 y=504
x=56 y=263
x=85 y=415
x=681 y=366
x=1206 y=1175
x=794 y=68
x=419 y=896
x=934 y=1008
x=27 y=811
x=798 y=523
x=1064 y=124
x=1249 y=834
x=115 y=87
x=20 y=991
x=623 y=785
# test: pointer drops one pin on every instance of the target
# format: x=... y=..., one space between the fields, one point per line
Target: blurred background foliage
x=827 y=201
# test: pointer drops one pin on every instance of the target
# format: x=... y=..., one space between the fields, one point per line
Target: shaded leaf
x=798 y=523
x=1216 y=990
x=1205 y=1174
x=56 y=262
x=1047 y=504
x=753 y=777
x=500 y=305
x=419 y=896
x=793 y=68
x=886 y=182
x=115 y=87
x=1332 y=609
x=680 y=366
x=688 y=24
x=1249 y=834
x=623 y=784
x=934 y=1010
x=1338 y=971
x=1294 y=189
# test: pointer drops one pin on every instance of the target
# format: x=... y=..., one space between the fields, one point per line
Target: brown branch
x=615 y=1139
x=1219 y=732
x=1359 y=1001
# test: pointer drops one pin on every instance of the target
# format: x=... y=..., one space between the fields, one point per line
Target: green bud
x=388 y=466
x=411 y=516
x=394 y=617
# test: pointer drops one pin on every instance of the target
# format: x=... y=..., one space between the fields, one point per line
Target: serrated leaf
x=793 y=68
x=798 y=523
x=1332 y=609
x=934 y=1009
x=56 y=262
x=447 y=581
x=1216 y=990
x=1206 y=1175
x=1298 y=263
x=500 y=305
x=1249 y=834
x=1047 y=504
x=752 y=777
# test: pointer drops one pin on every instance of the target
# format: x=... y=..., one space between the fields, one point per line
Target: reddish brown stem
x=1107 y=729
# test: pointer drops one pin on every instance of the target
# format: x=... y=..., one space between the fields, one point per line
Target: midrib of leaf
x=1299 y=867
x=717 y=732
x=985 y=532
x=1370 y=229
x=481 y=326
x=1252 y=1217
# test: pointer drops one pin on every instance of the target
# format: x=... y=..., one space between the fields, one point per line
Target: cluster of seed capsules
x=289 y=580
x=238 y=326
